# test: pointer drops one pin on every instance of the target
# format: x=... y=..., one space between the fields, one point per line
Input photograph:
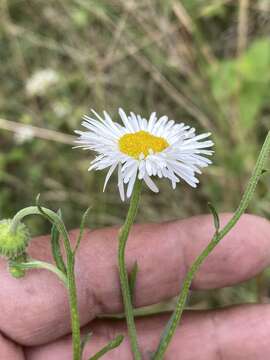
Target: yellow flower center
x=141 y=142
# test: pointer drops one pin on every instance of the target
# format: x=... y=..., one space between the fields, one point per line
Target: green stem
x=36 y=264
x=123 y=236
x=73 y=303
x=176 y=316
x=51 y=215
x=71 y=285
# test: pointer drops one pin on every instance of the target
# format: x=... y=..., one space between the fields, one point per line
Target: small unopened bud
x=14 y=266
x=13 y=242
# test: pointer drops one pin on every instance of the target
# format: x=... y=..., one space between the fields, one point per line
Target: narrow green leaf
x=165 y=336
x=85 y=340
x=41 y=210
x=215 y=216
x=132 y=280
x=264 y=171
x=82 y=226
x=38 y=200
x=110 y=346
x=55 y=245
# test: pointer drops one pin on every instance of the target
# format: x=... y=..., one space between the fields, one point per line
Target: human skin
x=34 y=316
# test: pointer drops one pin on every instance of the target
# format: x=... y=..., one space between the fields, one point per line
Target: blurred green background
x=204 y=62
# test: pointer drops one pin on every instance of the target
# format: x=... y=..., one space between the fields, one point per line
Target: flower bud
x=14 y=266
x=13 y=242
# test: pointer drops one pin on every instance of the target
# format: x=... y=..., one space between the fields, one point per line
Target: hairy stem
x=73 y=303
x=176 y=316
x=36 y=264
x=55 y=219
x=123 y=236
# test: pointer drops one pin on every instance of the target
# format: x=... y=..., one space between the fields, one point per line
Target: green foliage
x=244 y=80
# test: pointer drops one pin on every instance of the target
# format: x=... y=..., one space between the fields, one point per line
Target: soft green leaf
x=251 y=100
x=224 y=80
x=110 y=346
x=254 y=64
x=85 y=340
x=55 y=245
x=215 y=216
x=82 y=226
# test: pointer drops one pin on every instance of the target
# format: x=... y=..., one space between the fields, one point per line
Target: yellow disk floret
x=141 y=142
x=13 y=244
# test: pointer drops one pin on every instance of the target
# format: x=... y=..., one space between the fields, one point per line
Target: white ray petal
x=109 y=174
x=121 y=184
x=125 y=120
x=152 y=121
x=131 y=185
x=150 y=183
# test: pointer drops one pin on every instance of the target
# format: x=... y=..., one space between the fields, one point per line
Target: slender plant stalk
x=123 y=236
x=176 y=316
x=73 y=303
x=70 y=255
x=36 y=264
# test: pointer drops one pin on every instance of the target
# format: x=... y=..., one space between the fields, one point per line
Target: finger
x=36 y=307
x=238 y=333
x=10 y=350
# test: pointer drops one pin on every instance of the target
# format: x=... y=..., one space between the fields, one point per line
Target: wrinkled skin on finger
x=238 y=333
x=35 y=309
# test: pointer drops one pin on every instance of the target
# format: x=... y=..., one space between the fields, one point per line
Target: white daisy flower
x=144 y=148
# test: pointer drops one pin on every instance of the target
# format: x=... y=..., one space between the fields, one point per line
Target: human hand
x=34 y=316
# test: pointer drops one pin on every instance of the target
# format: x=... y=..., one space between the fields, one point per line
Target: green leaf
x=224 y=80
x=132 y=280
x=110 y=346
x=82 y=226
x=85 y=340
x=244 y=82
x=215 y=216
x=166 y=333
x=40 y=208
x=215 y=9
x=55 y=245
x=254 y=64
x=251 y=101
